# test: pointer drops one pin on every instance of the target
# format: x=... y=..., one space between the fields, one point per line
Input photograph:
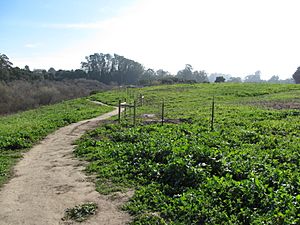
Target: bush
x=22 y=95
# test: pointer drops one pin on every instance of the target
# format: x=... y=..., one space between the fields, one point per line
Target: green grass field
x=20 y=131
x=244 y=171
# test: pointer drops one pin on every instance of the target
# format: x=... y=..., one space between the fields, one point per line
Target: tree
x=5 y=67
x=52 y=71
x=212 y=77
x=296 y=76
x=4 y=62
x=200 y=76
x=190 y=76
x=27 y=68
x=274 y=79
x=258 y=73
x=253 y=78
x=220 y=79
x=235 y=80
x=96 y=66
x=148 y=77
x=161 y=73
x=186 y=73
x=112 y=69
x=126 y=71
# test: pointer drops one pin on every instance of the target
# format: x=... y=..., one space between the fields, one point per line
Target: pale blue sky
x=30 y=28
x=235 y=37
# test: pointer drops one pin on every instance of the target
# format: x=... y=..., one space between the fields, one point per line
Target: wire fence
x=142 y=110
x=143 y=106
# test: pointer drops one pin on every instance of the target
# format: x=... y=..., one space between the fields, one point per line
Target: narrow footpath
x=48 y=180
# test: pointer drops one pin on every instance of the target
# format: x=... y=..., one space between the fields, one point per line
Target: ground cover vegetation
x=20 y=131
x=244 y=171
x=80 y=212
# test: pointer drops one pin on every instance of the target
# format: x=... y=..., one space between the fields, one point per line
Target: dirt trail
x=48 y=180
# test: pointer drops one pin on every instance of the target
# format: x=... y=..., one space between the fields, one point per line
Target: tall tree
x=4 y=62
x=162 y=73
x=147 y=77
x=186 y=73
x=117 y=69
x=27 y=68
x=220 y=79
x=274 y=79
x=5 y=67
x=296 y=76
x=200 y=76
x=253 y=78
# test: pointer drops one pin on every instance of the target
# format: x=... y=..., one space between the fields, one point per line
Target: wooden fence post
x=134 y=112
x=141 y=99
x=119 y=112
x=129 y=109
x=125 y=109
x=162 y=112
x=212 y=114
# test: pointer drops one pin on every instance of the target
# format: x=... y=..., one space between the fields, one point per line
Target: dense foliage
x=22 y=130
x=119 y=70
x=107 y=69
x=296 y=76
x=23 y=95
x=246 y=171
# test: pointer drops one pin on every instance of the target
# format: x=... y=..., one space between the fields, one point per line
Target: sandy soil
x=48 y=180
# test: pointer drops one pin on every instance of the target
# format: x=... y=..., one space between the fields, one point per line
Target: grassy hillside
x=244 y=171
x=20 y=131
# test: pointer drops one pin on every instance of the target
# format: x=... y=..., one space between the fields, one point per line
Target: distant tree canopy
x=235 y=80
x=9 y=73
x=5 y=67
x=212 y=77
x=253 y=78
x=112 y=69
x=5 y=64
x=118 y=70
x=296 y=76
x=189 y=75
x=274 y=79
x=106 y=68
x=220 y=79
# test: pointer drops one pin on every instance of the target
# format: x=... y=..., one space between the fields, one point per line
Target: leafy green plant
x=246 y=171
x=80 y=212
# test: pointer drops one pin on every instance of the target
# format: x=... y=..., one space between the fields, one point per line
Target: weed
x=80 y=212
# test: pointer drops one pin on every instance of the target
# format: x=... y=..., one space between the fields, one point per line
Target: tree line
x=105 y=68
x=22 y=88
x=118 y=70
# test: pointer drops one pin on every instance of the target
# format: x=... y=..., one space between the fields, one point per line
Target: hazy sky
x=235 y=37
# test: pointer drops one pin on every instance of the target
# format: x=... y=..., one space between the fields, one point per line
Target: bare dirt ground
x=282 y=105
x=48 y=180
